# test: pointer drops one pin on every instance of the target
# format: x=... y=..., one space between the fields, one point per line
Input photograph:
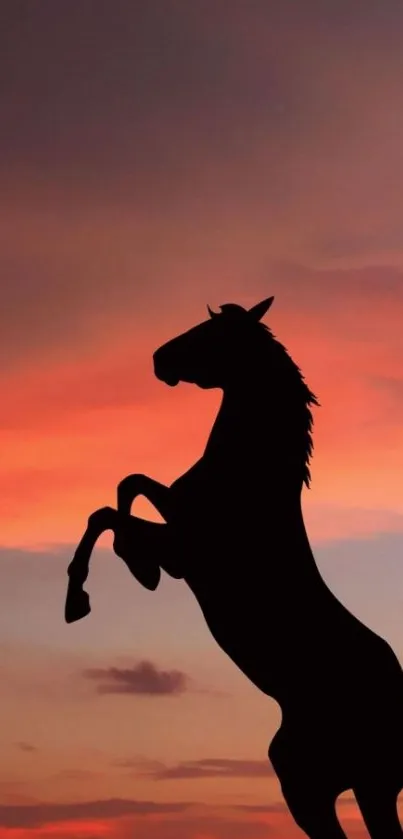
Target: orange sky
x=156 y=157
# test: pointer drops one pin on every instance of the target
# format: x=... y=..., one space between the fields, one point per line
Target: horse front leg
x=160 y=496
x=137 y=484
x=77 y=600
x=136 y=541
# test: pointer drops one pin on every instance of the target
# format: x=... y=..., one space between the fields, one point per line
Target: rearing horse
x=234 y=531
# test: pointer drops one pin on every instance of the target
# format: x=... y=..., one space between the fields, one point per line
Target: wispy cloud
x=275 y=807
x=143 y=679
x=33 y=815
x=204 y=768
x=125 y=818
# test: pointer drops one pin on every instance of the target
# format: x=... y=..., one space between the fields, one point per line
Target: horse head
x=210 y=353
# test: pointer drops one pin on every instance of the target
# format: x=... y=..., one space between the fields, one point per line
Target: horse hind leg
x=378 y=807
x=142 y=545
x=311 y=803
x=313 y=810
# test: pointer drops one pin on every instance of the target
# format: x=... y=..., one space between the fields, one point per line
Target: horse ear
x=260 y=309
x=211 y=313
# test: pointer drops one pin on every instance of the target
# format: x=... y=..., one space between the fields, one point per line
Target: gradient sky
x=156 y=156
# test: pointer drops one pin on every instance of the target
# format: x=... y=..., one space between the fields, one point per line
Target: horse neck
x=250 y=444
x=252 y=422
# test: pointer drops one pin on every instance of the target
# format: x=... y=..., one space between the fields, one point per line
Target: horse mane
x=295 y=393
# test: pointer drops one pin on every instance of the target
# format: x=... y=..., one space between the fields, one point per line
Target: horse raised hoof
x=77 y=605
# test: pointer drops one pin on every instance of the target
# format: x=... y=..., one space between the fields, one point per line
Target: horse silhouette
x=234 y=531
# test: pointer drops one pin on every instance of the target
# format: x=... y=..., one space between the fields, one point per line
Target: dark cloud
x=26 y=747
x=143 y=679
x=178 y=820
x=212 y=826
x=34 y=815
x=213 y=768
x=204 y=768
x=276 y=807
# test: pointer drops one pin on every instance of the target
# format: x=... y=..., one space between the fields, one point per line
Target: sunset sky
x=156 y=156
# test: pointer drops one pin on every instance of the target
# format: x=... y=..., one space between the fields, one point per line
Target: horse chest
x=219 y=497
x=199 y=495
x=232 y=614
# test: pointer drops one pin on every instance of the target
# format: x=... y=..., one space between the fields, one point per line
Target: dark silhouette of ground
x=235 y=533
